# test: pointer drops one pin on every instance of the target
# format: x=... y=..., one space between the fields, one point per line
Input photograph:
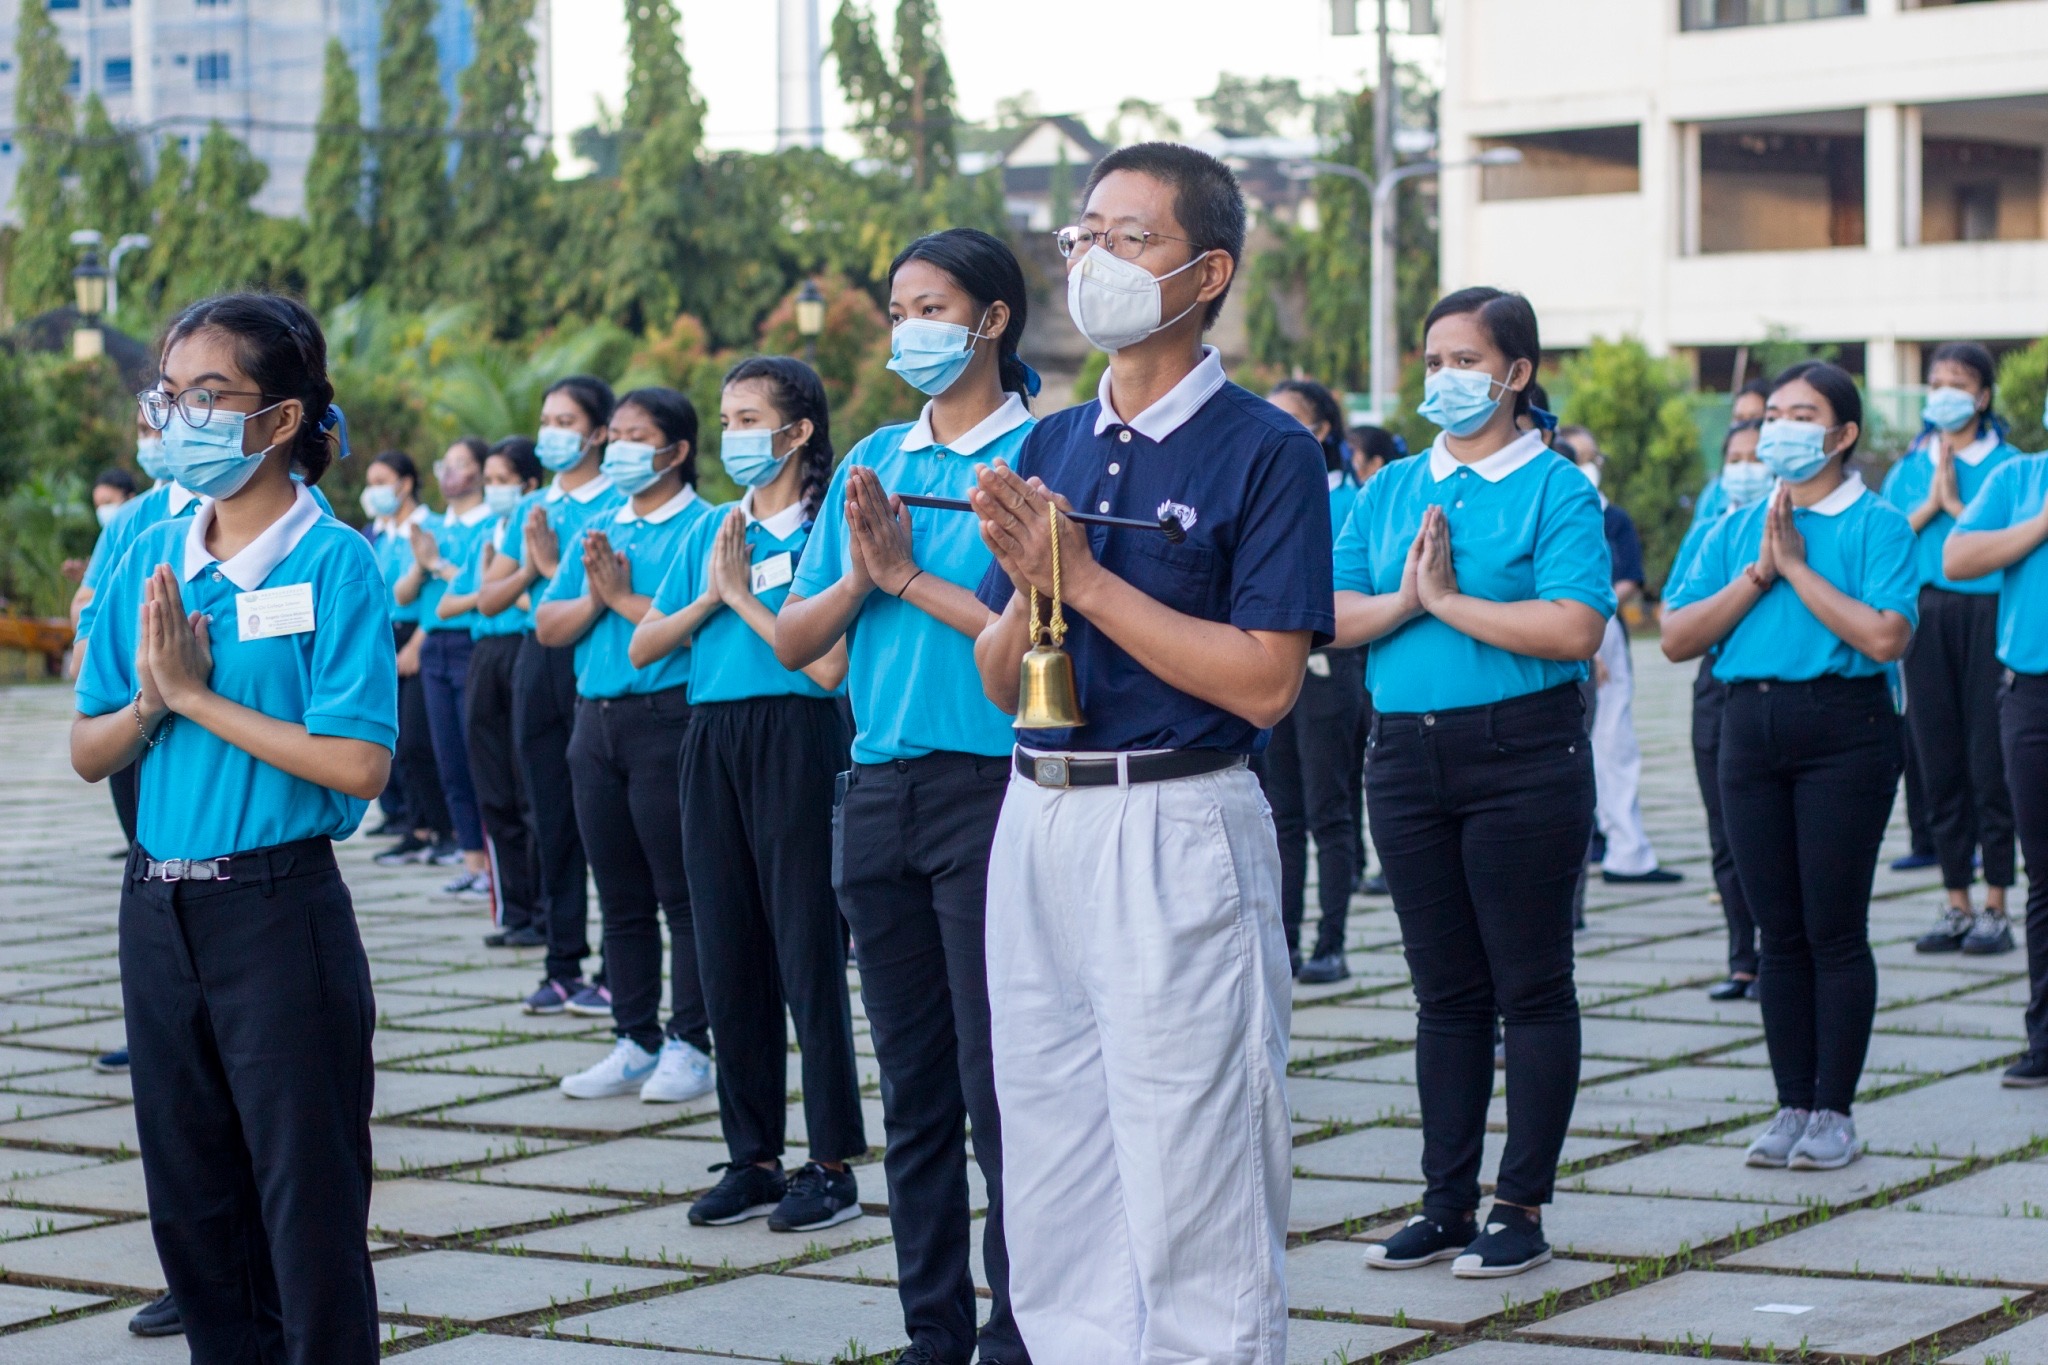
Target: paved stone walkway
x=509 y=1220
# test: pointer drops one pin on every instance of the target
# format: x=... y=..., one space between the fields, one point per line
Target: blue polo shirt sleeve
x=354 y=671
x=1353 y=550
x=1993 y=508
x=1707 y=572
x=107 y=681
x=568 y=583
x=689 y=570
x=1281 y=574
x=1695 y=536
x=1572 y=562
x=1624 y=546
x=827 y=555
x=1890 y=578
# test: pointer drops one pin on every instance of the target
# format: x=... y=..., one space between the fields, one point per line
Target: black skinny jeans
x=425 y=805
x=1709 y=701
x=500 y=791
x=543 y=718
x=1952 y=681
x=623 y=757
x=1481 y=817
x=1809 y=771
x=910 y=845
x=2023 y=723
x=1309 y=771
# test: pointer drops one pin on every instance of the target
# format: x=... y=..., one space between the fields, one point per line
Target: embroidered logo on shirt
x=1180 y=512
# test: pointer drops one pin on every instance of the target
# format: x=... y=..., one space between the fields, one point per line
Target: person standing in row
x=391 y=500
x=630 y=722
x=1315 y=757
x=930 y=763
x=1479 y=575
x=1138 y=980
x=1951 y=669
x=511 y=474
x=1808 y=599
x=2003 y=534
x=1743 y=482
x=574 y=415
x=243 y=658
x=1372 y=450
x=764 y=748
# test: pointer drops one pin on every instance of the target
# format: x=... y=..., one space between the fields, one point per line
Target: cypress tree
x=337 y=251
x=225 y=178
x=173 y=224
x=111 y=196
x=905 y=104
x=663 y=127
x=502 y=179
x=412 y=163
x=39 y=275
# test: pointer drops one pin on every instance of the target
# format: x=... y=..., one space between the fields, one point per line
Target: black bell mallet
x=1167 y=526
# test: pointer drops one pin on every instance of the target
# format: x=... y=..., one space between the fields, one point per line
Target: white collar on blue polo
x=1842 y=499
x=387 y=526
x=475 y=516
x=627 y=516
x=782 y=525
x=247 y=569
x=1004 y=420
x=1170 y=413
x=582 y=492
x=1973 y=454
x=178 y=499
x=1495 y=467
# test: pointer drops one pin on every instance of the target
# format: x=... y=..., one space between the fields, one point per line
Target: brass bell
x=1046 y=696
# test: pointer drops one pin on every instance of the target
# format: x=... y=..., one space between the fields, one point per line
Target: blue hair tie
x=1544 y=419
x=336 y=421
x=1032 y=383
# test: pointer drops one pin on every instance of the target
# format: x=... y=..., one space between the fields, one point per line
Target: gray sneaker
x=1776 y=1142
x=1989 y=936
x=1828 y=1145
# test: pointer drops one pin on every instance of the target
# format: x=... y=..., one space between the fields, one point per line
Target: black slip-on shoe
x=1510 y=1243
x=1422 y=1241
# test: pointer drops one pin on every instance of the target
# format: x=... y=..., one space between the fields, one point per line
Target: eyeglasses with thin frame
x=195 y=405
x=1125 y=244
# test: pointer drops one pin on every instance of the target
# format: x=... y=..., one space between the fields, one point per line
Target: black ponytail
x=279 y=345
x=988 y=271
x=798 y=394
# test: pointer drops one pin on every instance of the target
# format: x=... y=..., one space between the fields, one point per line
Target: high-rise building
x=169 y=68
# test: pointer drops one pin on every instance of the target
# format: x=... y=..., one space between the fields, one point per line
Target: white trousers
x=1139 y=992
x=1618 y=761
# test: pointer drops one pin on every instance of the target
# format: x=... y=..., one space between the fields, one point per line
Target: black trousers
x=413 y=759
x=1918 y=823
x=2023 y=722
x=1481 y=817
x=910 y=845
x=1952 y=681
x=757 y=788
x=249 y=1022
x=623 y=756
x=1809 y=771
x=543 y=717
x=1309 y=771
x=500 y=790
x=122 y=785
x=1709 y=700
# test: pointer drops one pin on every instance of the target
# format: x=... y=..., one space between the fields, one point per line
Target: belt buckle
x=1051 y=772
x=172 y=869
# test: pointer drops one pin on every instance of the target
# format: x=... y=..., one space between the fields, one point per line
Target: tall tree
x=111 y=194
x=173 y=224
x=412 y=161
x=663 y=129
x=905 y=99
x=225 y=178
x=39 y=275
x=336 y=258
x=502 y=179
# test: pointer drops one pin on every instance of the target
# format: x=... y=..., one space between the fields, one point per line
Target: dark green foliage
x=336 y=257
x=503 y=180
x=2022 y=382
x=1635 y=405
x=413 y=206
x=112 y=195
x=39 y=271
x=904 y=99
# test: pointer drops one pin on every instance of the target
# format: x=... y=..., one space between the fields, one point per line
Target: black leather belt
x=280 y=860
x=1051 y=771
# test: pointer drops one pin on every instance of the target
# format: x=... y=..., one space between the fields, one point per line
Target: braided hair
x=798 y=394
x=279 y=345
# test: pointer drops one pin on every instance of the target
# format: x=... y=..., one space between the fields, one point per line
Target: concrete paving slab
x=18 y=1223
x=115 y=1187
x=1321 y=1205
x=1855 y=1319
x=1349 y=1102
x=401 y=1149
x=102 y=1338
x=1345 y=1343
x=663 y=1236
x=21 y=1303
x=1396 y=1154
x=1957 y=1019
x=877 y=1264
x=1741 y=1085
x=116 y=1255
x=552 y=1058
x=1962 y=1116
x=1709 y=1172
x=2011 y=1189
x=549 y=1109
x=413 y=1092
x=1353 y=1021
x=1533 y=1353
x=1628 y=1117
x=1903 y=1053
x=453 y=1208
x=1331 y=1277
x=1638 y=1226
x=758 y=1317
x=1921 y=1246
x=1659 y=1042
x=480 y=1349
x=629 y=1165
x=409 y=1045
x=111 y=1129
x=475 y=1286
x=795 y=1131
x=2023 y=1345
x=15 y=1104
x=23 y=1061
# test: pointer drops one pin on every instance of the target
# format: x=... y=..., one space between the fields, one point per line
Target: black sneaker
x=159 y=1319
x=1294 y=963
x=1989 y=936
x=410 y=849
x=1322 y=969
x=113 y=1063
x=1376 y=885
x=1913 y=862
x=745 y=1192
x=525 y=936
x=1421 y=1242
x=1511 y=1243
x=2028 y=1073
x=1734 y=988
x=817 y=1198
x=1656 y=876
x=1948 y=932
x=389 y=829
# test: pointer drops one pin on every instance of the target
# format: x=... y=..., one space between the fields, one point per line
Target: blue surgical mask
x=381 y=500
x=149 y=453
x=106 y=512
x=501 y=498
x=630 y=465
x=208 y=460
x=559 y=449
x=1745 y=483
x=1794 y=451
x=1460 y=401
x=749 y=456
x=1947 y=409
x=931 y=355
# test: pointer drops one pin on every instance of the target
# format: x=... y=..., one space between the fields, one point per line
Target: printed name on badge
x=774 y=572
x=271 y=612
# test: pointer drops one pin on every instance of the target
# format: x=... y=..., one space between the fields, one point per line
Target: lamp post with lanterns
x=810 y=319
x=89 y=286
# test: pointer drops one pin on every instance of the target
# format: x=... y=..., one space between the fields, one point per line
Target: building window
x=63 y=4
x=211 y=68
x=1977 y=190
x=1555 y=165
x=71 y=80
x=120 y=73
x=1765 y=190
x=1702 y=14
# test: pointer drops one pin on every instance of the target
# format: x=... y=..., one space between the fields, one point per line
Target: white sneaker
x=459 y=883
x=681 y=1073
x=479 y=888
x=620 y=1073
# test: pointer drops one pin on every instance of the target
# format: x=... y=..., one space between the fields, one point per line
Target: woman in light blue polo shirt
x=1951 y=669
x=2003 y=534
x=623 y=753
x=930 y=762
x=760 y=759
x=243 y=659
x=1809 y=598
x=1478 y=573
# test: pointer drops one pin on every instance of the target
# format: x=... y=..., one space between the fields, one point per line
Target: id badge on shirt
x=270 y=612
x=774 y=571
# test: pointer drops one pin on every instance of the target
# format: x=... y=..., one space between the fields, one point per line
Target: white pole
x=799 y=93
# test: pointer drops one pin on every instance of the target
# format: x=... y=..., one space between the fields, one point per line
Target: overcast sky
x=1082 y=60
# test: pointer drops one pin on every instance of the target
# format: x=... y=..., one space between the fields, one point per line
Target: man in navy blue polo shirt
x=1138 y=978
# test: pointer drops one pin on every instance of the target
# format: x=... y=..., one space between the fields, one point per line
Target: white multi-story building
x=168 y=68
x=1698 y=173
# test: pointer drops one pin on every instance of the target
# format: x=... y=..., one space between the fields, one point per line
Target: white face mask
x=1592 y=473
x=1116 y=303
